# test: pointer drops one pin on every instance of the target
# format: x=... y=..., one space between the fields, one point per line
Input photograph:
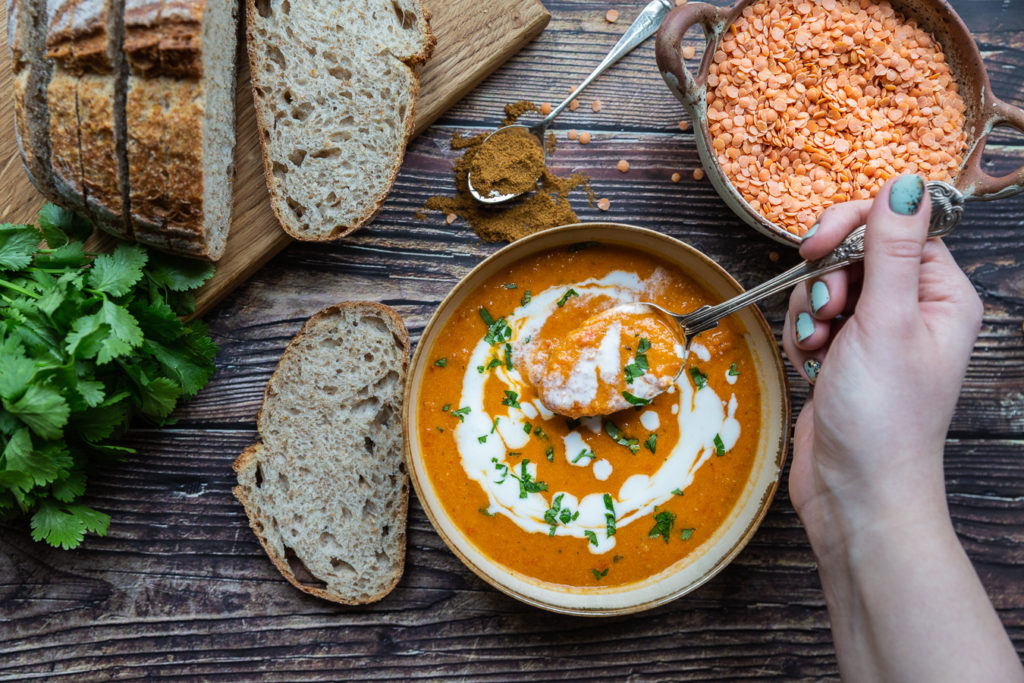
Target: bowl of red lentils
x=802 y=104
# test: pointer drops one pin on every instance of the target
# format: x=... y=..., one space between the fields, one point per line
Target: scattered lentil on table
x=584 y=138
x=596 y=106
x=611 y=16
x=623 y=165
x=815 y=103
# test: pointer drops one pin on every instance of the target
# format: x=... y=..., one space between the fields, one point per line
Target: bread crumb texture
x=334 y=89
x=327 y=492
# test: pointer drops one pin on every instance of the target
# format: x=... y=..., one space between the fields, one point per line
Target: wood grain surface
x=473 y=39
x=181 y=588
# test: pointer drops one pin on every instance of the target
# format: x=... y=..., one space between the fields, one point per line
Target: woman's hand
x=887 y=347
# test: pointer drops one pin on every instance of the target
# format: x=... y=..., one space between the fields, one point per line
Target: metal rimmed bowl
x=716 y=552
x=984 y=110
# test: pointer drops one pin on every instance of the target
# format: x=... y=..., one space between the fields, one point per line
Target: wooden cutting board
x=473 y=39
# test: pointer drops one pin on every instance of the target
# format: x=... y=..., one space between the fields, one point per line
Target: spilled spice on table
x=546 y=206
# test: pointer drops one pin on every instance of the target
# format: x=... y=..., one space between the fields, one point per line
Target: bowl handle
x=668 y=49
x=977 y=183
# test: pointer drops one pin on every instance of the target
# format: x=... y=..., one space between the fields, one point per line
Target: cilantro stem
x=20 y=290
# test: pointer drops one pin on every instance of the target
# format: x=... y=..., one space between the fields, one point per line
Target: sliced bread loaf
x=334 y=86
x=62 y=101
x=326 y=491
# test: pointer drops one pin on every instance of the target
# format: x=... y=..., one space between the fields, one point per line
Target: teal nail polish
x=819 y=295
x=814 y=229
x=804 y=326
x=811 y=368
x=906 y=195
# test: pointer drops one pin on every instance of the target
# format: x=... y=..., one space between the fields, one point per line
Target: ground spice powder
x=508 y=162
x=547 y=206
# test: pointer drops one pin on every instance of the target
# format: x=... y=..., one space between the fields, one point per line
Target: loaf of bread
x=326 y=491
x=147 y=155
x=334 y=83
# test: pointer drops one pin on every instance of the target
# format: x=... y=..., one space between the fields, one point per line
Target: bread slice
x=97 y=28
x=62 y=101
x=180 y=122
x=334 y=87
x=326 y=491
x=26 y=37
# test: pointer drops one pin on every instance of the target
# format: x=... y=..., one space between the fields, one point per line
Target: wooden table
x=180 y=586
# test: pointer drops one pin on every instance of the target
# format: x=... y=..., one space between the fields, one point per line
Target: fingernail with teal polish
x=811 y=368
x=906 y=195
x=814 y=229
x=804 y=326
x=819 y=296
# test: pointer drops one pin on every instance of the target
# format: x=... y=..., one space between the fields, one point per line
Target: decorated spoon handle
x=947 y=209
x=642 y=28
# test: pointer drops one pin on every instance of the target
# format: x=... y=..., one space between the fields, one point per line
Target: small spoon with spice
x=497 y=190
x=947 y=209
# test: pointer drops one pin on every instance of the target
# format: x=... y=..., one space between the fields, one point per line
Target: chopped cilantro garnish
x=652 y=442
x=686 y=534
x=510 y=285
x=609 y=516
x=526 y=298
x=677 y=492
x=527 y=484
x=612 y=430
x=461 y=413
x=440 y=429
x=600 y=575
x=485 y=512
x=639 y=365
x=538 y=431
x=565 y=297
x=591 y=535
x=573 y=423
x=441 y=362
x=482 y=439
x=584 y=454
x=527 y=427
x=618 y=558
x=508 y=355
x=497 y=330
x=511 y=399
x=733 y=371
x=515 y=454
x=502 y=469
x=493 y=363
x=446 y=407
x=550 y=454
x=699 y=378
x=663 y=522
x=580 y=246
x=556 y=513
x=635 y=400
x=495 y=425
x=719 y=445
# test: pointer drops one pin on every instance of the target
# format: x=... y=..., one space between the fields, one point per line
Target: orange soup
x=587 y=502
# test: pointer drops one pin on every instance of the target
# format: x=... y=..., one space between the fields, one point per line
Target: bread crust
x=250 y=457
x=277 y=200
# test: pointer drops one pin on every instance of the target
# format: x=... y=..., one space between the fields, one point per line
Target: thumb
x=897 y=228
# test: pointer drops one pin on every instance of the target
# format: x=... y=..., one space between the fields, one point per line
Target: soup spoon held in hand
x=644 y=27
x=947 y=208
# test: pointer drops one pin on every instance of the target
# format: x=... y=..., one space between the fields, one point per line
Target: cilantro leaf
x=719 y=445
x=179 y=274
x=663 y=522
x=733 y=371
x=612 y=430
x=64 y=526
x=18 y=243
x=700 y=380
x=652 y=442
x=43 y=409
x=600 y=575
x=591 y=535
x=635 y=400
x=116 y=273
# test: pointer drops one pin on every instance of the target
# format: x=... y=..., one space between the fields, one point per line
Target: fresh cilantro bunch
x=87 y=343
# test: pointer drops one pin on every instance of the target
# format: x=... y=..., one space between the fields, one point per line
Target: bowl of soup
x=596 y=515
